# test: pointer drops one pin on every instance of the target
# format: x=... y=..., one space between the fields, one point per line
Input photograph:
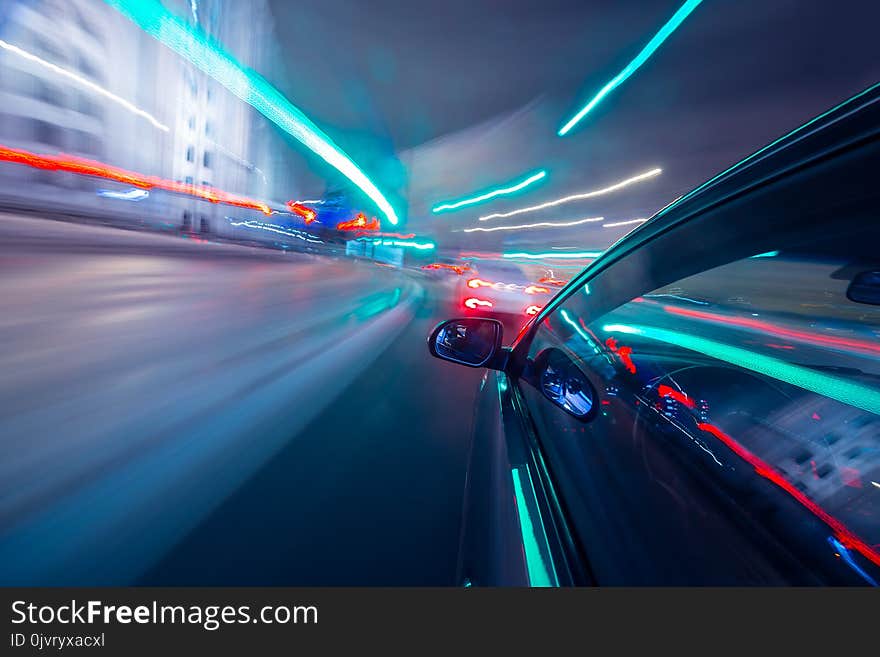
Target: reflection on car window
x=764 y=366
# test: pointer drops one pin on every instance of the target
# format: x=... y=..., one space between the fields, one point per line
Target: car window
x=738 y=424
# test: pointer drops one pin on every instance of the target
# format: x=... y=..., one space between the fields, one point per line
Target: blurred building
x=164 y=118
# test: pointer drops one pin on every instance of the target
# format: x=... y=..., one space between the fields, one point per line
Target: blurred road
x=184 y=412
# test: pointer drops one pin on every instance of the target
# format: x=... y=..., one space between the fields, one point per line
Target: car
x=701 y=404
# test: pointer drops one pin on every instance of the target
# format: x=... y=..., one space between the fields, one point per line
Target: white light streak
x=624 y=223
x=130 y=195
x=78 y=79
x=577 y=197
x=550 y=224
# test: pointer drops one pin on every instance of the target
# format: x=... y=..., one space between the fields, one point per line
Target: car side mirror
x=865 y=288
x=563 y=383
x=471 y=341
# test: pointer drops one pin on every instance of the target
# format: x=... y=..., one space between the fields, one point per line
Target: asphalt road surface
x=184 y=412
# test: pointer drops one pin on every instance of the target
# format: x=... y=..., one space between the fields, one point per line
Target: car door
x=731 y=366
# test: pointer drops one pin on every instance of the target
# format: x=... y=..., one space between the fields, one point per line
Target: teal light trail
x=574 y=255
x=826 y=385
x=501 y=191
x=652 y=45
x=208 y=55
x=535 y=544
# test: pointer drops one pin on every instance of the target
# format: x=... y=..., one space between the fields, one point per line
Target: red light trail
x=458 y=269
x=359 y=223
x=764 y=469
x=306 y=213
x=552 y=281
x=758 y=325
x=93 y=168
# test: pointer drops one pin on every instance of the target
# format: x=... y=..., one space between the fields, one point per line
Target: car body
x=701 y=405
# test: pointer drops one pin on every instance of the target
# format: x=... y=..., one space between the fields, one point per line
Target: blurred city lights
x=576 y=255
x=656 y=41
x=547 y=224
x=577 y=197
x=533 y=310
x=83 y=82
x=251 y=87
x=501 y=191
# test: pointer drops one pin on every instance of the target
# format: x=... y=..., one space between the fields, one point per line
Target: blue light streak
x=502 y=191
x=671 y=25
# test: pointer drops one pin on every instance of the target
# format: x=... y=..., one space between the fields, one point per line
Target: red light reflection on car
x=672 y=393
x=623 y=352
x=764 y=469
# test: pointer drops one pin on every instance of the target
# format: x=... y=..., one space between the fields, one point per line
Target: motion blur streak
x=533 y=310
x=577 y=197
x=764 y=469
x=865 y=346
x=502 y=191
x=248 y=85
x=624 y=223
x=82 y=166
x=853 y=394
x=671 y=25
x=574 y=255
x=88 y=84
x=547 y=224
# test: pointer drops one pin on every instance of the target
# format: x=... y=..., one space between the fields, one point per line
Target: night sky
x=383 y=77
